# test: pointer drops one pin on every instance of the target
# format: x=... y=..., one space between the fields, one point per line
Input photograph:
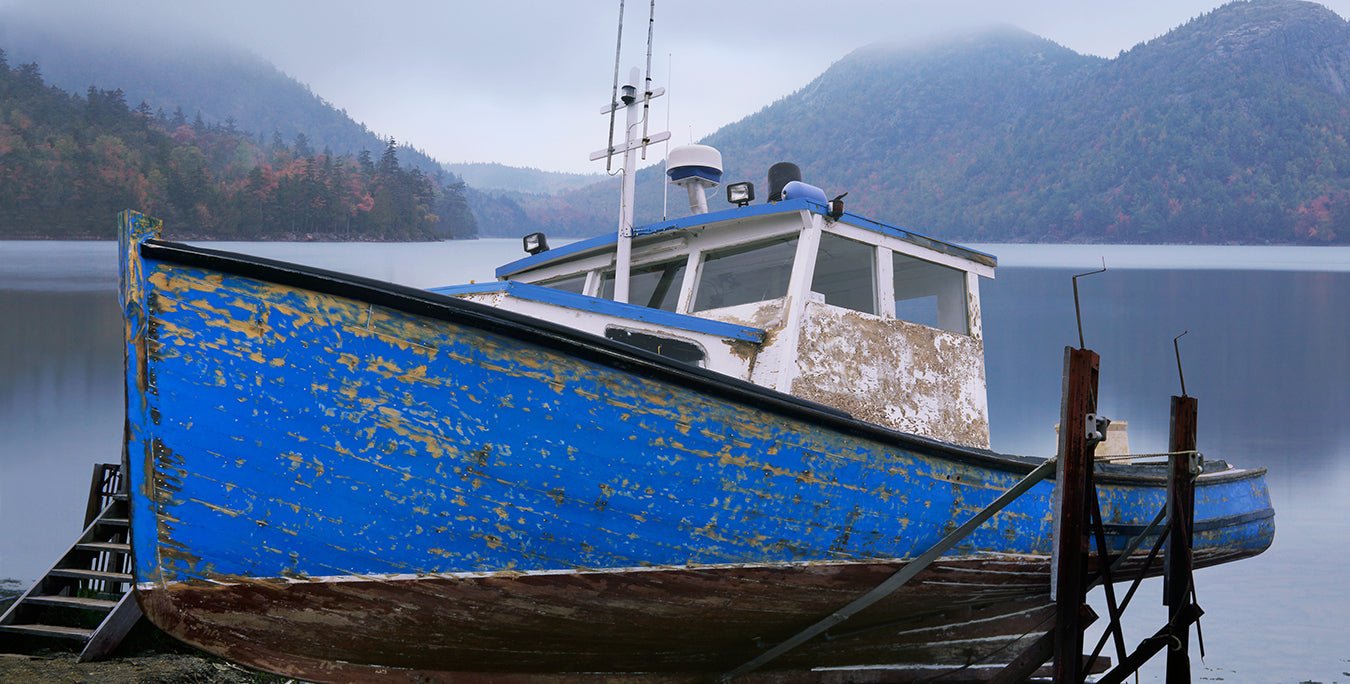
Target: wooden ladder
x=85 y=601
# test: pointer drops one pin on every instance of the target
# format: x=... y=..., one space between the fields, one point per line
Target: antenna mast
x=614 y=93
x=627 y=98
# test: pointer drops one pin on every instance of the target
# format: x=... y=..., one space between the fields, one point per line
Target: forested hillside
x=223 y=83
x=1232 y=128
x=68 y=164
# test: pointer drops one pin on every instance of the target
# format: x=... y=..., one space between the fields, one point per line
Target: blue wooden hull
x=294 y=433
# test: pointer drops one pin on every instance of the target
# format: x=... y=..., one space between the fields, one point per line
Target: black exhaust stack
x=780 y=175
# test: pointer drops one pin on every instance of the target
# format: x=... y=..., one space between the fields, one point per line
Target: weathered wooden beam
x=95 y=503
x=1181 y=510
x=113 y=629
x=1029 y=662
x=897 y=580
x=1149 y=647
x=1074 y=480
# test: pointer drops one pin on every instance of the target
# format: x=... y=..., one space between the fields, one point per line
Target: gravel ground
x=146 y=656
x=155 y=668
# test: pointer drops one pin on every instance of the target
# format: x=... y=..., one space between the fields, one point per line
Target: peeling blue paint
x=277 y=431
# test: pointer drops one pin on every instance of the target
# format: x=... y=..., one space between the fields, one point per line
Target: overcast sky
x=522 y=82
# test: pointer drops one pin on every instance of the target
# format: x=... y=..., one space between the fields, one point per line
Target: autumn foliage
x=68 y=164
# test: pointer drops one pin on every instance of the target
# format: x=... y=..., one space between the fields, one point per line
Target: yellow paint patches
x=726 y=459
x=710 y=531
x=383 y=367
x=219 y=509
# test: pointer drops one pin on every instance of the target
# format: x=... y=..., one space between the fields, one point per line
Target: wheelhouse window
x=679 y=350
x=751 y=273
x=574 y=283
x=656 y=286
x=844 y=273
x=929 y=294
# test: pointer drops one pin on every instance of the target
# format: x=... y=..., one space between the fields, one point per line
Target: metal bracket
x=1196 y=464
x=1095 y=429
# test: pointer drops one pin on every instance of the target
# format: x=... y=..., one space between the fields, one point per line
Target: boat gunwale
x=607 y=352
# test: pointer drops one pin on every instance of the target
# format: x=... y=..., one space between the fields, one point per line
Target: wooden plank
x=57 y=631
x=80 y=573
x=94 y=504
x=113 y=629
x=113 y=522
x=12 y=613
x=111 y=547
x=1148 y=648
x=897 y=580
x=73 y=602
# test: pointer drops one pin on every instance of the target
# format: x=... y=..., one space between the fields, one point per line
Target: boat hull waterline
x=334 y=478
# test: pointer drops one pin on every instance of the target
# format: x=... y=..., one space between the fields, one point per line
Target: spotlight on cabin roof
x=535 y=243
x=741 y=194
x=695 y=168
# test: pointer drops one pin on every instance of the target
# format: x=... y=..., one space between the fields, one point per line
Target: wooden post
x=1073 y=481
x=1181 y=514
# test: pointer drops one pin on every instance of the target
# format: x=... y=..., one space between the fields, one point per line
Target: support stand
x=1073 y=483
x=1177 y=582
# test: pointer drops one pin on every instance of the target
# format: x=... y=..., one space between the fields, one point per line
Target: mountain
x=503 y=178
x=68 y=164
x=1232 y=128
x=192 y=74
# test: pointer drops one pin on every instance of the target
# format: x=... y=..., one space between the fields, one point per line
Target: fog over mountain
x=1228 y=128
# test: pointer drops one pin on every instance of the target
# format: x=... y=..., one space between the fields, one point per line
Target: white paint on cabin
x=726 y=356
x=884 y=327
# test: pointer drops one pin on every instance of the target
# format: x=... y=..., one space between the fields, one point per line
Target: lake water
x=1267 y=355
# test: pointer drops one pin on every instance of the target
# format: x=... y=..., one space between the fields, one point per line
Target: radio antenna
x=627 y=97
x=647 y=84
x=665 y=187
x=614 y=93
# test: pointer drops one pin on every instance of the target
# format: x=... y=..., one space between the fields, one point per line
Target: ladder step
x=49 y=631
x=72 y=602
x=115 y=547
x=80 y=573
x=120 y=496
x=113 y=522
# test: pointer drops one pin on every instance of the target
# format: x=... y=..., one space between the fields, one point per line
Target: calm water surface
x=1267 y=356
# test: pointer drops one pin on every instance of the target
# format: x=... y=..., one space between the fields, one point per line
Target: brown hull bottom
x=677 y=623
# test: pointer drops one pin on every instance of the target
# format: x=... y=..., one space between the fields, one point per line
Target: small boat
x=658 y=452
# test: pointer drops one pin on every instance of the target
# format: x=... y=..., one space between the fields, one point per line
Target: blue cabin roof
x=633 y=312
x=601 y=242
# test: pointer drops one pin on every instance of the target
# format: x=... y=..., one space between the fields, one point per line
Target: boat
x=655 y=453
